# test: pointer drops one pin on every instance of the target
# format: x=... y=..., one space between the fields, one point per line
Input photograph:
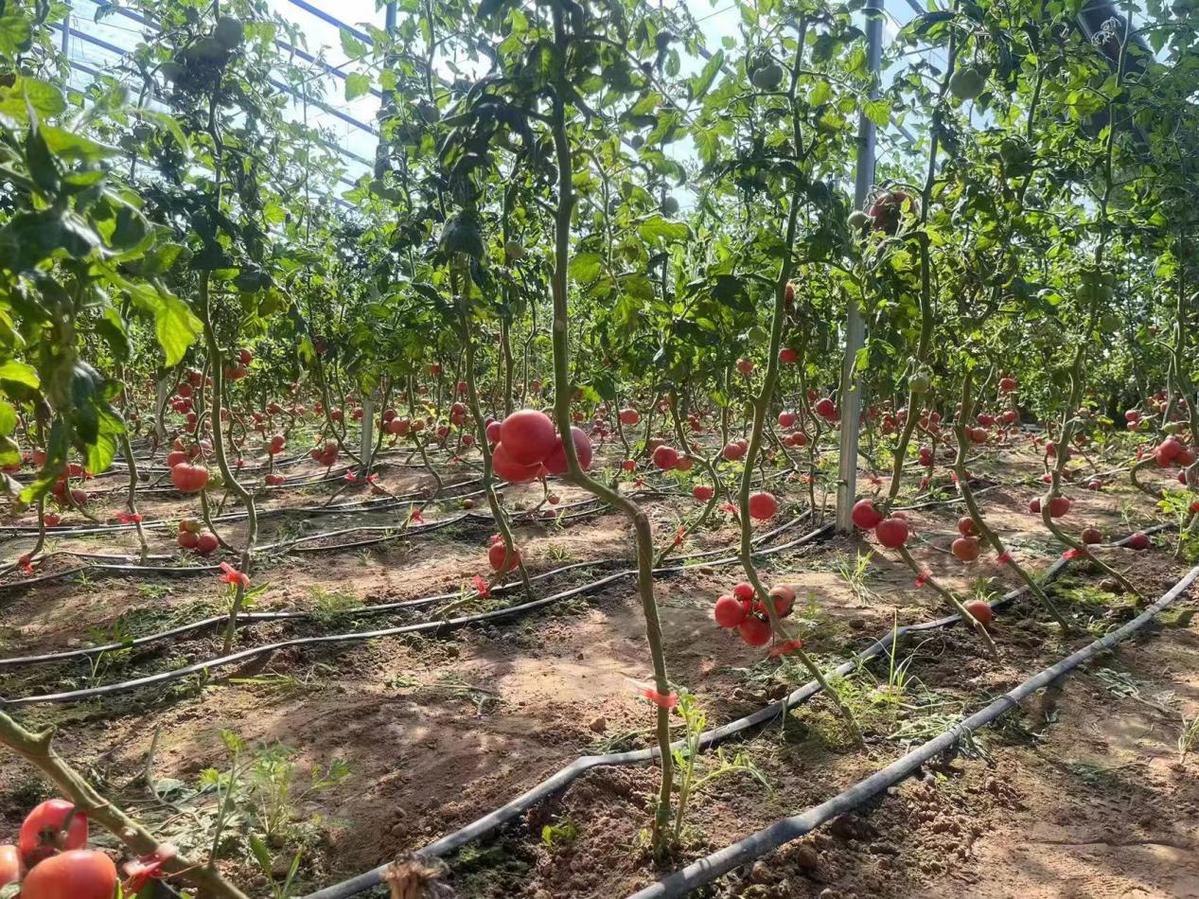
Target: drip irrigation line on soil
x=10 y=532
x=250 y=618
x=122 y=567
x=438 y=626
x=415 y=496
x=126 y=563
x=707 y=869
x=567 y=775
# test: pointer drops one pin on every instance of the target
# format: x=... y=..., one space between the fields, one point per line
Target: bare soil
x=1084 y=793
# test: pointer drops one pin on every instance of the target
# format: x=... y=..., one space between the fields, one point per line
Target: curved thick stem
x=562 y=394
x=36 y=748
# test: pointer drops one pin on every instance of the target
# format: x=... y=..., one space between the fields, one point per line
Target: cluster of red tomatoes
x=526 y=446
x=892 y=531
x=325 y=455
x=51 y=859
x=62 y=487
x=741 y=610
x=192 y=536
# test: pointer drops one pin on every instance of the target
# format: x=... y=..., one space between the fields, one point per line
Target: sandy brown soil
x=439 y=730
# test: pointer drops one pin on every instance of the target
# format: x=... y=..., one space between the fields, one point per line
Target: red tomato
x=892 y=532
x=39 y=832
x=555 y=462
x=733 y=451
x=497 y=556
x=981 y=611
x=509 y=469
x=78 y=874
x=10 y=865
x=965 y=548
x=666 y=457
x=762 y=505
x=864 y=515
x=189 y=478
x=728 y=611
x=528 y=436
x=783 y=597
x=755 y=631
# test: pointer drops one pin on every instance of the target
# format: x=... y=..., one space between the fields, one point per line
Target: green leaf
x=878 y=111
x=174 y=324
x=658 y=228
x=586 y=267
x=351 y=46
x=702 y=83
x=20 y=373
x=8 y=418
x=921 y=24
x=357 y=84
x=31 y=93
x=16 y=32
x=169 y=124
x=72 y=145
x=113 y=331
x=103 y=449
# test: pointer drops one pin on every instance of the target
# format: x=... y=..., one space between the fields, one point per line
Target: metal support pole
x=367 y=439
x=855 y=330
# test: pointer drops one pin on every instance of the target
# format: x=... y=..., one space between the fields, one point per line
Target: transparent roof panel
x=349 y=126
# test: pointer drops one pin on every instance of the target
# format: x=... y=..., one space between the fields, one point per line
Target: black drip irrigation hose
x=707 y=869
x=567 y=775
x=126 y=564
x=418 y=496
x=251 y=618
x=397 y=533
x=438 y=626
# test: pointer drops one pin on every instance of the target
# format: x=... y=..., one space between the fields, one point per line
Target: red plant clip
x=1003 y=558
x=953 y=476
x=669 y=701
x=129 y=517
x=149 y=867
x=1073 y=553
x=351 y=477
x=26 y=563
x=729 y=508
x=415 y=517
x=922 y=579
x=786 y=647
x=679 y=535
x=231 y=575
x=481 y=586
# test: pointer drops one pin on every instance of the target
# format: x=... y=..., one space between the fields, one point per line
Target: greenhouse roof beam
x=96 y=73
x=281 y=44
x=278 y=85
x=333 y=20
